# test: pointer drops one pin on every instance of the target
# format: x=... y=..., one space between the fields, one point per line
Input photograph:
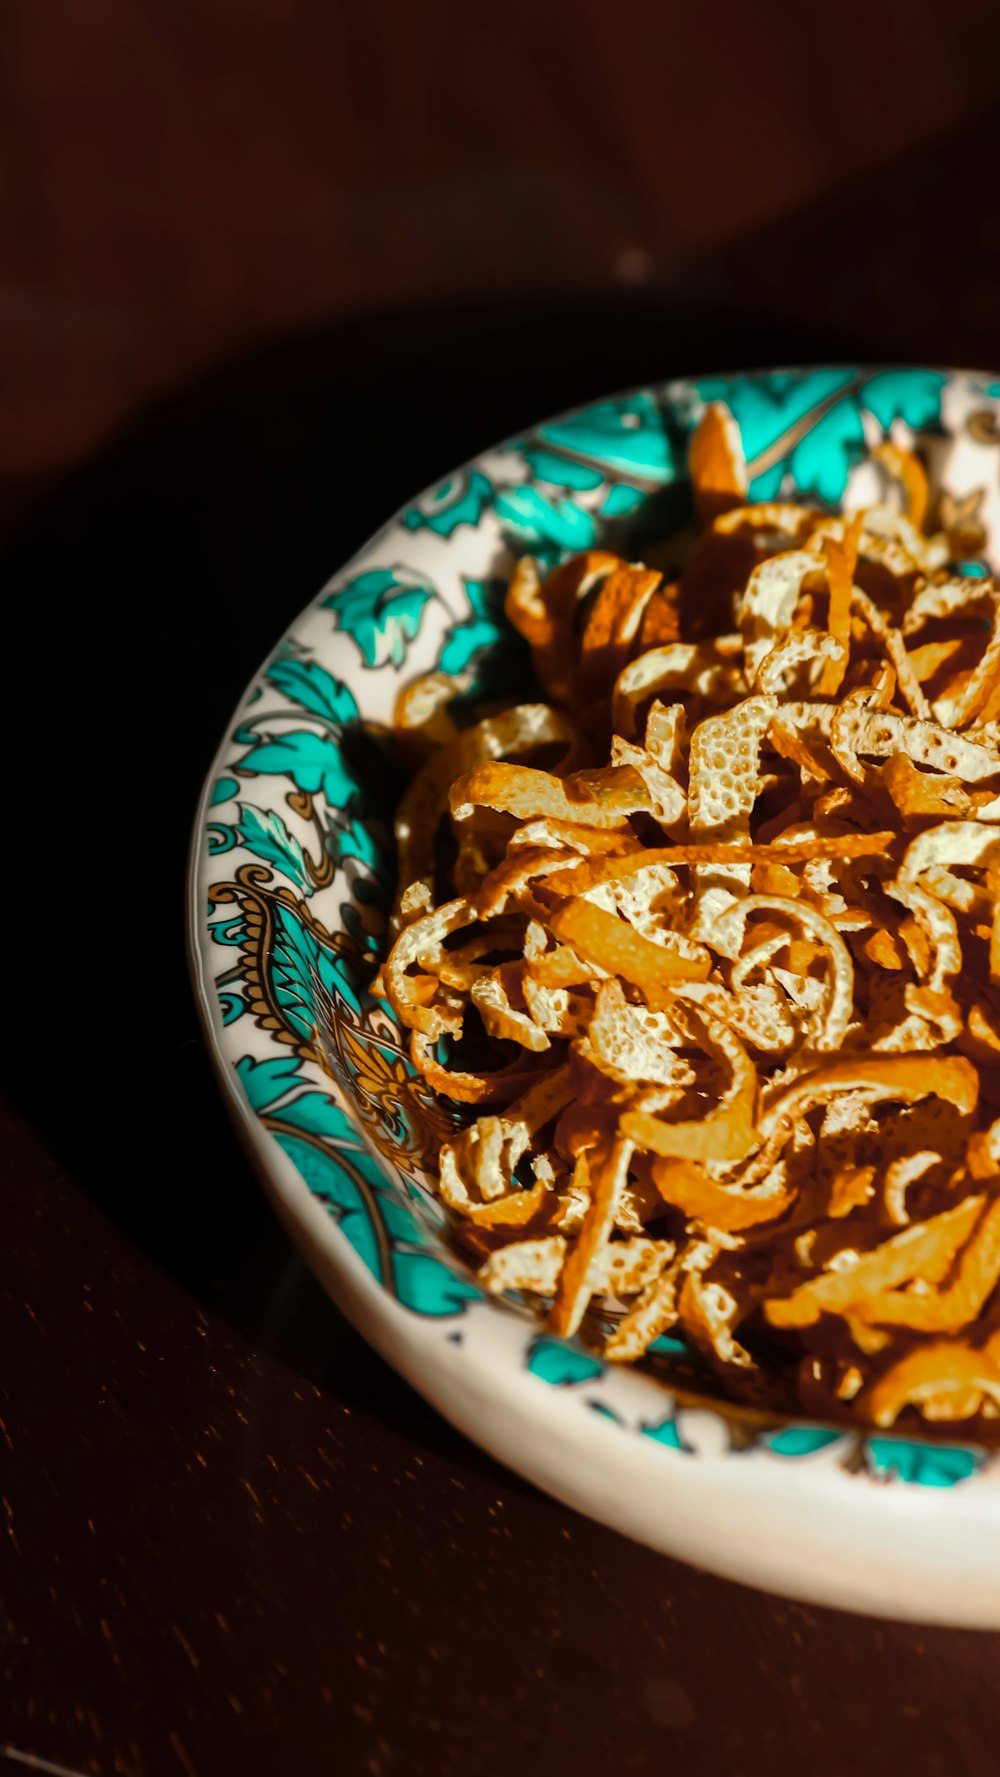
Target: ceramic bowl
x=291 y=872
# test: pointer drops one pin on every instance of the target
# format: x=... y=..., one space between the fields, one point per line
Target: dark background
x=182 y=180
x=268 y=266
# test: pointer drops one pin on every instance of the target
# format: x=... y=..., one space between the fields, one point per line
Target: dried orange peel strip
x=841 y=562
x=716 y=464
x=925 y=1250
x=946 y=1310
x=425 y=802
x=826 y=1027
x=613 y=625
x=949 y=1378
x=423 y=935
x=728 y=1209
x=606 y=940
x=679 y=669
x=656 y=1309
x=594 y=799
x=543 y=612
x=778 y=851
x=602 y=1173
x=464 y=1086
x=727 y=1132
x=909 y=471
x=902 y=1078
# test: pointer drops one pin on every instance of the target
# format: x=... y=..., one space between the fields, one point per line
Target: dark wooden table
x=233 y=1540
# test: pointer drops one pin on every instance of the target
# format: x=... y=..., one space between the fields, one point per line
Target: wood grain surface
x=266 y=1554
x=230 y=1537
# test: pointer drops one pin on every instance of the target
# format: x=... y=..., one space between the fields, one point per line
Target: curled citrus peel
x=707 y=942
x=716 y=462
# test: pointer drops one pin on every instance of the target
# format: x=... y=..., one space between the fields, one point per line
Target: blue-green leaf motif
x=223 y=789
x=265 y=1082
x=665 y=1432
x=930 y=1465
x=820 y=461
x=400 y=1222
x=562 y=471
x=230 y=929
x=263 y=832
x=620 y=500
x=427 y=1286
x=381 y=610
x=802 y=1440
x=561 y=1364
x=231 y=1005
x=298 y=962
x=314 y=762
x=462 y=499
x=668 y=1346
x=913 y=396
x=378 y=1226
x=309 y=685
x=483 y=629
x=765 y=408
x=625 y=435
x=537 y=521
x=316 y=1113
x=333 y=1184
x=221 y=838
x=356 y=839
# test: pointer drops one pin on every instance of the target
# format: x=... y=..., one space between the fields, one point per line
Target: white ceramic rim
x=908 y=1552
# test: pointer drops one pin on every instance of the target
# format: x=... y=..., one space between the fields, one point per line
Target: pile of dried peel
x=717 y=960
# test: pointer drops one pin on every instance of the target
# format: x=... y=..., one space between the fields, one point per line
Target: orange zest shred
x=716 y=464
x=841 y=562
x=909 y=471
x=614 y=946
x=687 y=1187
x=601 y=1173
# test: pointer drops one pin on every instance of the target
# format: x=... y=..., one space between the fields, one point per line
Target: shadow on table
x=143 y=592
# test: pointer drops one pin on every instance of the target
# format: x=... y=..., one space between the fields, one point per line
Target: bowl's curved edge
x=787 y=1541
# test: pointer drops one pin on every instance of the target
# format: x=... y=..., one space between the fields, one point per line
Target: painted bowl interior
x=293 y=869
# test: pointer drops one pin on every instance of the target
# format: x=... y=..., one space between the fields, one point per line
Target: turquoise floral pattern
x=548 y=523
x=263 y=832
x=309 y=687
x=584 y=469
x=461 y=499
x=483 y=651
x=323 y=1143
x=381 y=609
x=558 y=1362
x=296 y=866
x=932 y=1465
x=483 y=628
x=802 y=1440
x=809 y=430
x=664 y=1432
x=628 y=436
